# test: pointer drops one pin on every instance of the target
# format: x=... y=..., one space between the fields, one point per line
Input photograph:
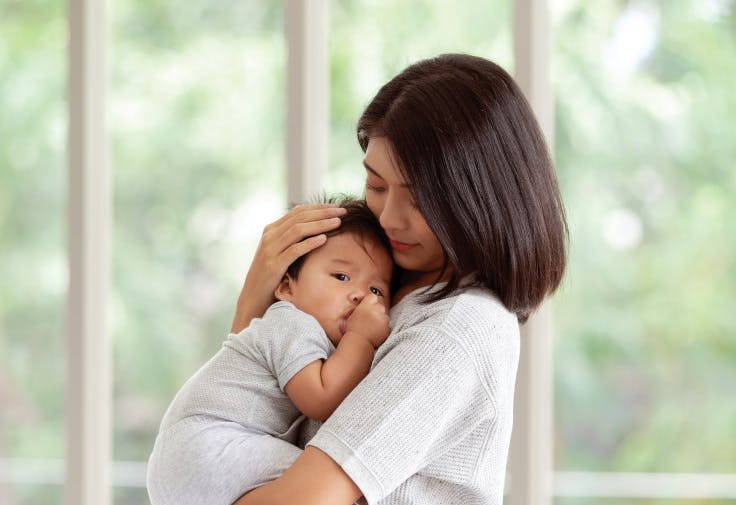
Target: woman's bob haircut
x=468 y=144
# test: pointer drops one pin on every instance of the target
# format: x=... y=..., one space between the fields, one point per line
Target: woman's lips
x=401 y=246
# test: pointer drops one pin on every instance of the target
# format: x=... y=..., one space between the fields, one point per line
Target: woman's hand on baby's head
x=295 y=234
x=370 y=320
x=298 y=232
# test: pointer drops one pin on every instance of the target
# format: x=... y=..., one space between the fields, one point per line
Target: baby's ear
x=284 y=291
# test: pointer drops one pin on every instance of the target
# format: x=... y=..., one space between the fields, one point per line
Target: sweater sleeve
x=423 y=397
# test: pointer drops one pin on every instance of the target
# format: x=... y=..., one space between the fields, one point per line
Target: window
x=645 y=321
x=370 y=42
x=197 y=135
x=32 y=249
x=644 y=352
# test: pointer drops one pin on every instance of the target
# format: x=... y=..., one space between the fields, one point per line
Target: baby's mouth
x=344 y=321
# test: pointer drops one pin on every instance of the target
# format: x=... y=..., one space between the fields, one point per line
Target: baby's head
x=330 y=281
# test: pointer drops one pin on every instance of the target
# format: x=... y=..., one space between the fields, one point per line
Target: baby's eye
x=341 y=277
x=376 y=291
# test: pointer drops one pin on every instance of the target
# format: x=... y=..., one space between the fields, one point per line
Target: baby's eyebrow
x=341 y=261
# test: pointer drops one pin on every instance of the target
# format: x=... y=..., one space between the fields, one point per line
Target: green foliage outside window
x=645 y=323
x=645 y=347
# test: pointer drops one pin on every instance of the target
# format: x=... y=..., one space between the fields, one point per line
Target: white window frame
x=531 y=453
x=89 y=363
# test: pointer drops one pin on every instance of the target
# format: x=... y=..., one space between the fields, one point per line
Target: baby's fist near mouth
x=370 y=320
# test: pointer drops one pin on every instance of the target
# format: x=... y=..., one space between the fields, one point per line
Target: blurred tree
x=197 y=120
x=32 y=229
x=645 y=319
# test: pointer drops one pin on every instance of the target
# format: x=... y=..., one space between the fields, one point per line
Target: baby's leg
x=197 y=462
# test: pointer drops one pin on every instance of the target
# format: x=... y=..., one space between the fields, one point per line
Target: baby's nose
x=357 y=296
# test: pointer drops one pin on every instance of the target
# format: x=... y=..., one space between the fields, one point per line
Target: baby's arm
x=321 y=386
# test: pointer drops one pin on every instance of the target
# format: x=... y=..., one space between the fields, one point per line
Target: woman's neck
x=412 y=280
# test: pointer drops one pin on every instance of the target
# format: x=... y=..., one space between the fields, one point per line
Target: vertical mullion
x=531 y=459
x=88 y=427
x=307 y=97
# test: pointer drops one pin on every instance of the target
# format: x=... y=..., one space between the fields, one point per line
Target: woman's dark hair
x=358 y=220
x=468 y=144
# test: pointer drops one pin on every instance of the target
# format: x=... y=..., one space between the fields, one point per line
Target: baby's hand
x=370 y=320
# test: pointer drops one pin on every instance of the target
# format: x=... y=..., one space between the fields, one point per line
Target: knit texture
x=431 y=423
x=232 y=427
x=244 y=382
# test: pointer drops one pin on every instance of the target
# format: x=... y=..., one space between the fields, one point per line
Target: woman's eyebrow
x=370 y=169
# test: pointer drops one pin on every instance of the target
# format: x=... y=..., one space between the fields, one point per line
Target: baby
x=242 y=409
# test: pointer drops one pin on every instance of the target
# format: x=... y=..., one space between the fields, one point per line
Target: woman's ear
x=284 y=291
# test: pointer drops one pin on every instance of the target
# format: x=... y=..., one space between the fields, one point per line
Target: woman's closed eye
x=374 y=188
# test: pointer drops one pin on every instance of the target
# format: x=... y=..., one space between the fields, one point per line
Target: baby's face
x=337 y=276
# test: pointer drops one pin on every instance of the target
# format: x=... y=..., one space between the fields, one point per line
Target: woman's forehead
x=381 y=161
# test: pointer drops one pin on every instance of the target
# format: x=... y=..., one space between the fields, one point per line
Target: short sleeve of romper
x=244 y=381
x=289 y=340
x=432 y=420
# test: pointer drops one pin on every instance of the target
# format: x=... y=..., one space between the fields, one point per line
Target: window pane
x=33 y=262
x=370 y=42
x=197 y=113
x=646 y=321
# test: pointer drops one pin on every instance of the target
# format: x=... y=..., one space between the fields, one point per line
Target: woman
x=459 y=175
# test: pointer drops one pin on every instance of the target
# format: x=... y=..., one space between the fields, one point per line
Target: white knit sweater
x=431 y=424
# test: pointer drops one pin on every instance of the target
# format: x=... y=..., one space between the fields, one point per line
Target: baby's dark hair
x=358 y=220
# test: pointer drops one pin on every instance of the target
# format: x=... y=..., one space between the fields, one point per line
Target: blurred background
x=645 y=323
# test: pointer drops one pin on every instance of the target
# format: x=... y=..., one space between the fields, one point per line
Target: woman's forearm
x=249 y=307
x=313 y=479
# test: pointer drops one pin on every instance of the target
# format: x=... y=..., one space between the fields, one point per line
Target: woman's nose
x=391 y=218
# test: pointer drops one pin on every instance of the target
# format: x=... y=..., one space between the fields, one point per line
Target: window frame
x=90 y=473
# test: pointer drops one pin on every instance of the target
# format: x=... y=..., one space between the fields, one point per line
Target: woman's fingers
x=283 y=241
x=301 y=248
x=279 y=236
x=300 y=231
x=312 y=212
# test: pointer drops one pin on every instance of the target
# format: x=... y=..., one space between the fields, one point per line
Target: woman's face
x=415 y=246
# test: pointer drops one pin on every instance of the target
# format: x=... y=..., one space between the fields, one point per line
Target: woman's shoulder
x=466 y=308
x=479 y=307
x=471 y=325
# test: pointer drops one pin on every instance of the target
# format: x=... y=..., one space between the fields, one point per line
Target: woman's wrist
x=246 y=309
